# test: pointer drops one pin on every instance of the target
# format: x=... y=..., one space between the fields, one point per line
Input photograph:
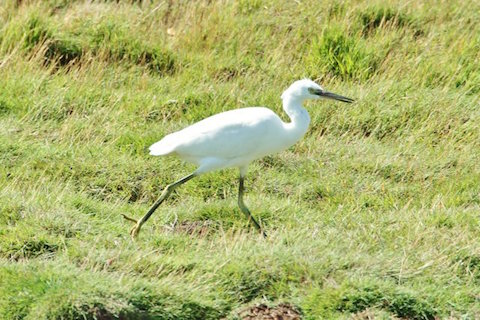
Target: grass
x=373 y=214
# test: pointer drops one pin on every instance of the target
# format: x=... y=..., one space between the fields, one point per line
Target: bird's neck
x=298 y=115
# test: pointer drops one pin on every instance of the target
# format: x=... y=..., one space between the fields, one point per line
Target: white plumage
x=227 y=139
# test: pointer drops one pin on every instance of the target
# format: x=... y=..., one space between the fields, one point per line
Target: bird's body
x=235 y=138
x=231 y=139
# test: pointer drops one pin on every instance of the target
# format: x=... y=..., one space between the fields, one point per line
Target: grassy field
x=373 y=215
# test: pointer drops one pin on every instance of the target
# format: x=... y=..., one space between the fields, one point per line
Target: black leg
x=166 y=192
x=244 y=208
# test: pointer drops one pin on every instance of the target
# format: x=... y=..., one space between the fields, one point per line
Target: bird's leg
x=166 y=192
x=244 y=208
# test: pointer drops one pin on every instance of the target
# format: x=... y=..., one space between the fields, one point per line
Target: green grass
x=374 y=213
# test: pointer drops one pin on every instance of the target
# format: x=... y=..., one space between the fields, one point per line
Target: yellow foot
x=135 y=230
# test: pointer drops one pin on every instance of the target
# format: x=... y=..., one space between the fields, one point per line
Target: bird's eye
x=315 y=91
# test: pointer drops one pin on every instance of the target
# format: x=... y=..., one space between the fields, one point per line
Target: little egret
x=237 y=137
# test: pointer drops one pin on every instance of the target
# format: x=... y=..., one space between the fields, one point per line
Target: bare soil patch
x=283 y=311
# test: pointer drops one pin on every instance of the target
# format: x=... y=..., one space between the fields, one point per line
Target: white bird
x=235 y=138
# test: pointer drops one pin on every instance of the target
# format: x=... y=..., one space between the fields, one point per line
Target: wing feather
x=225 y=135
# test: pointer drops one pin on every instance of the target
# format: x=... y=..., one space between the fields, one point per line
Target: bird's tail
x=162 y=147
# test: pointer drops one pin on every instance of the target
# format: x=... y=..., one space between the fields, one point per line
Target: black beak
x=334 y=96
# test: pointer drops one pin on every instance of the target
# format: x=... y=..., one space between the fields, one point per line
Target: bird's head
x=308 y=89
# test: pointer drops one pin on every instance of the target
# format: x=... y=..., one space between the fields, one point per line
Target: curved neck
x=298 y=115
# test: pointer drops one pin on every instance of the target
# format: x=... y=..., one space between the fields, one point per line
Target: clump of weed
x=246 y=283
x=27 y=247
x=407 y=306
x=342 y=55
x=315 y=193
x=358 y=298
x=469 y=265
x=5 y=106
x=36 y=31
x=47 y=291
x=10 y=213
x=63 y=51
x=61 y=48
x=374 y=18
x=401 y=304
x=115 y=41
x=105 y=40
x=156 y=59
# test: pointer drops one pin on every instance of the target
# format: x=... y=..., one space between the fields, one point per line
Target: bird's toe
x=129 y=219
x=135 y=231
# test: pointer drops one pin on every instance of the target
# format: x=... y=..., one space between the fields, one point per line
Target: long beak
x=331 y=95
x=334 y=96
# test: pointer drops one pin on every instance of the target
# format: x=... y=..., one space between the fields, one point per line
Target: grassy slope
x=375 y=211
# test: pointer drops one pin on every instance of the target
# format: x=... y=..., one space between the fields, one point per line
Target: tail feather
x=162 y=147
